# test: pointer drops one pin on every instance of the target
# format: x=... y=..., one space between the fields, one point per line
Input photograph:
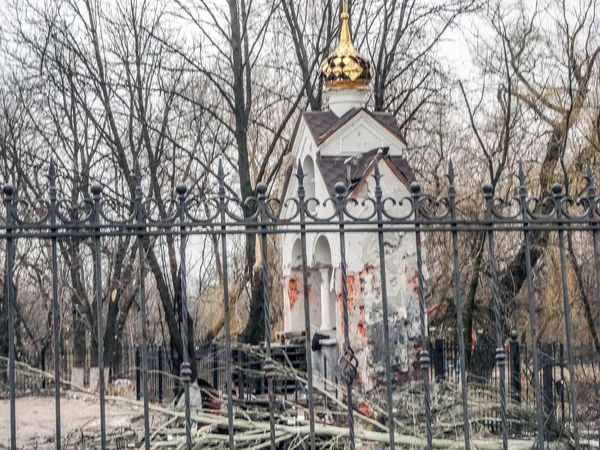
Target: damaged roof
x=352 y=170
x=322 y=124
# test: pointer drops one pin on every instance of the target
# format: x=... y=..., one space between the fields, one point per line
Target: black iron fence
x=54 y=220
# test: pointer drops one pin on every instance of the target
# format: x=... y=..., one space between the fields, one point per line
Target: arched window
x=296 y=262
x=309 y=181
x=322 y=262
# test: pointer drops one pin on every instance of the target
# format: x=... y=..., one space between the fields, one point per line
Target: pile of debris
x=251 y=419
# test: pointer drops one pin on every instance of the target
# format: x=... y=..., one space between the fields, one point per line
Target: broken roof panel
x=352 y=170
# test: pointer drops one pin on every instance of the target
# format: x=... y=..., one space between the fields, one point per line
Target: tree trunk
x=122 y=275
x=78 y=337
x=470 y=302
x=512 y=279
x=254 y=333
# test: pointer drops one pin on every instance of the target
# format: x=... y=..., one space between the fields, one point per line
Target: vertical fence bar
x=138 y=374
x=488 y=192
x=214 y=349
x=438 y=358
x=226 y=312
x=161 y=368
x=562 y=380
x=240 y=374
x=424 y=359
x=8 y=201
x=43 y=364
x=592 y=205
x=142 y=293
x=97 y=193
x=186 y=369
x=269 y=364
x=459 y=310
x=558 y=197
x=309 y=368
x=548 y=382
x=532 y=327
x=348 y=362
x=515 y=368
x=55 y=306
x=384 y=307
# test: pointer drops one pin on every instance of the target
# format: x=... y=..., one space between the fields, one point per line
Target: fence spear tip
x=138 y=172
x=450 y=171
x=220 y=171
x=377 y=173
x=521 y=173
x=589 y=174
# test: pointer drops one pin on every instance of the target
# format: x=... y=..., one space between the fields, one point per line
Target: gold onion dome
x=345 y=67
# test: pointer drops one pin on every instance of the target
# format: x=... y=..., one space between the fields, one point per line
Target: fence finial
x=450 y=172
x=300 y=172
x=96 y=191
x=261 y=188
x=521 y=174
x=488 y=190
x=181 y=190
x=376 y=172
x=8 y=190
x=221 y=178
x=589 y=175
x=415 y=188
x=557 y=190
x=137 y=173
x=52 y=173
x=591 y=191
x=220 y=171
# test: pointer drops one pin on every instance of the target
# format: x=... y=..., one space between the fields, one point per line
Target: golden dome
x=345 y=67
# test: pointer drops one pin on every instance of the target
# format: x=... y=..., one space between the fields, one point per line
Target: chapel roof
x=322 y=124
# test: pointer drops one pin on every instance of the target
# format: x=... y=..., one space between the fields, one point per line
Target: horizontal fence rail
x=530 y=372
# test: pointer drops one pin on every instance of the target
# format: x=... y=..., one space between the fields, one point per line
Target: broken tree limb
x=252 y=429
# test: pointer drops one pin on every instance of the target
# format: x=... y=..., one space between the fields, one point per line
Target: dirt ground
x=36 y=419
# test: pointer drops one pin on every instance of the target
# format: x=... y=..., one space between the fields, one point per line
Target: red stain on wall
x=350 y=285
x=362 y=329
x=350 y=297
x=369 y=270
x=414 y=281
x=293 y=292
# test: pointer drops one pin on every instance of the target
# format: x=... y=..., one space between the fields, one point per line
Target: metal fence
x=421 y=214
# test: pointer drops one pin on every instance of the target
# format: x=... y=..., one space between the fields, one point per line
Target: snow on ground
x=36 y=419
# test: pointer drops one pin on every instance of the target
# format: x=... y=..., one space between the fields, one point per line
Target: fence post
x=547 y=379
x=562 y=381
x=10 y=293
x=438 y=359
x=160 y=374
x=43 y=362
x=137 y=374
x=515 y=367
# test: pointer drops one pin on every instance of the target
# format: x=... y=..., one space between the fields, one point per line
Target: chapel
x=340 y=143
